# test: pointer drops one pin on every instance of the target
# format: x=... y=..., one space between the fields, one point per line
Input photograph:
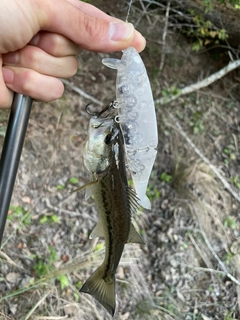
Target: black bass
x=116 y=202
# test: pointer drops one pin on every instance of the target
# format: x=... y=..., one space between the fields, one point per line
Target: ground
x=188 y=267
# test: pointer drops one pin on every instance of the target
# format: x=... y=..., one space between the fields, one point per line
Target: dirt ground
x=189 y=265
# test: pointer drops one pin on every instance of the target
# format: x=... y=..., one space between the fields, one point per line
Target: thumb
x=88 y=31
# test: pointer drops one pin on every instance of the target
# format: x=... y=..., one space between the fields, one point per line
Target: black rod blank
x=11 y=152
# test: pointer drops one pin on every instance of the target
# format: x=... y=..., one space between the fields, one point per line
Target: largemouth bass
x=116 y=202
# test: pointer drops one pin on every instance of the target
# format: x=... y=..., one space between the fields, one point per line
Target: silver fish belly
x=104 y=159
x=137 y=118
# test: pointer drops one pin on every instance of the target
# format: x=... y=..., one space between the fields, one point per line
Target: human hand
x=39 y=41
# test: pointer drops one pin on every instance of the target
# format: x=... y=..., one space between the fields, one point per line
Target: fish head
x=99 y=149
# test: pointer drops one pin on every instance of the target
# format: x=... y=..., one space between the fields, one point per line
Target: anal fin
x=97 y=231
x=134 y=237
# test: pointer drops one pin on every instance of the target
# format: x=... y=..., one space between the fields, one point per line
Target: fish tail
x=101 y=290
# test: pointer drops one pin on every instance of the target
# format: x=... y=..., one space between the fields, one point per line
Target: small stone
x=12 y=277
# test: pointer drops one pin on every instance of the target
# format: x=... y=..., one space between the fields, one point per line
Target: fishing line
x=129 y=9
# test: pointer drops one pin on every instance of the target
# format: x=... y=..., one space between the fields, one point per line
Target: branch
x=205 y=159
x=201 y=84
x=164 y=35
x=82 y=93
x=221 y=264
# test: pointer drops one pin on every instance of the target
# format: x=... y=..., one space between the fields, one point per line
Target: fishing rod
x=11 y=152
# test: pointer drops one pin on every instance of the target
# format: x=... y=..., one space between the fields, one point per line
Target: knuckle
x=28 y=80
x=33 y=56
x=73 y=66
x=56 y=44
x=93 y=28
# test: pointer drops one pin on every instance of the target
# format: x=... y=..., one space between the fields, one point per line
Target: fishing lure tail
x=144 y=201
x=101 y=290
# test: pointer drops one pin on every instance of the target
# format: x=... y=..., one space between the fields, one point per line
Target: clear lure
x=137 y=118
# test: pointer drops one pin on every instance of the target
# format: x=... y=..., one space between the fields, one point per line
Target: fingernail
x=120 y=31
x=11 y=57
x=8 y=75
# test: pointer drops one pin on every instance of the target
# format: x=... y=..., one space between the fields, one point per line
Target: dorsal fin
x=133 y=200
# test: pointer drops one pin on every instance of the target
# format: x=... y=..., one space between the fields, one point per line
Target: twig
x=205 y=159
x=52 y=318
x=202 y=269
x=164 y=35
x=82 y=93
x=201 y=253
x=5 y=317
x=145 y=12
x=201 y=84
x=221 y=264
x=36 y=305
x=10 y=261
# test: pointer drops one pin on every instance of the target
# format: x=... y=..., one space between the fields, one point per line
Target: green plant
x=73 y=180
x=171 y=91
x=99 y=246
x=228 y=257
x=42 y=267
x=236 y=181
x=230 y=222
x=60 y=186
x=229 y=316
x=203 y=31
x=63 y=281
x=165 y=177
x=229 y=153
x=17 y=213
x=50 y=219
x=196 y=122
x=153 y=192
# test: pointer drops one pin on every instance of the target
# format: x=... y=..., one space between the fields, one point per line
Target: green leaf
x=63 y=281
x=44 y=219
x=54 y=218
x=165 y=177
x=99 y=246
x=60 y=186
x=73 y=180
x=27 y=219
x=76 y=297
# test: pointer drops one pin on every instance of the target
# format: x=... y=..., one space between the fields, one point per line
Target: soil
x=189 y=265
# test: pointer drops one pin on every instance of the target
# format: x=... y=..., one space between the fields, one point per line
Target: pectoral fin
x=87 y=185
x=134 y=237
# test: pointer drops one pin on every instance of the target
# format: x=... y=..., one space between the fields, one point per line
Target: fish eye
x=108 y=138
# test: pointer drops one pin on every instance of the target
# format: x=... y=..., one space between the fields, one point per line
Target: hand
x=39 y=40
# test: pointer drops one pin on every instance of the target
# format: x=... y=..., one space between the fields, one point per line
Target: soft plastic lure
x=137 y=118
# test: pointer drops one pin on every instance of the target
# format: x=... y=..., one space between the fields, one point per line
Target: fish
x=116 y=202
x=137 y=118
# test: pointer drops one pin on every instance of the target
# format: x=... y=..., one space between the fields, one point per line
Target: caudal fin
x=102 y=291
